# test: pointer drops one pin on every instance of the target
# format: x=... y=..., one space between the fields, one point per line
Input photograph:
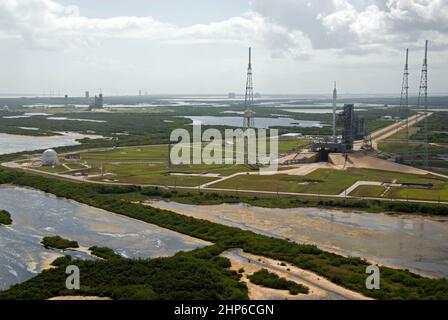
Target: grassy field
x=149 y=165
x=148 y=173
x=368 y=191
x=56 y=169
x=438 y=193
x=75 y=166
x=160 y=152
x=396 y=144
x=324 y=181
x=285 y=146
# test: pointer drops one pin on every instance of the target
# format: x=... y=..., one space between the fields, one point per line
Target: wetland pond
x=417 y=243
x=36 y=214
x=11 y=143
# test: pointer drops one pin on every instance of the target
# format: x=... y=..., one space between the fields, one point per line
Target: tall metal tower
x=335 y=97
x=249 y=97
x=423 y=94
x=404 y=100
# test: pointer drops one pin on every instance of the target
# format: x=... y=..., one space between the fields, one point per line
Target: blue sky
x=200 y=46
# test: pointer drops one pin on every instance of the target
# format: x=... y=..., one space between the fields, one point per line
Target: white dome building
x=50 y=158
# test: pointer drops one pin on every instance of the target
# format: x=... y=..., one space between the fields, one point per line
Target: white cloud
x=353 y=25
x=46 y=44
x=284 y=27
x=45 y=24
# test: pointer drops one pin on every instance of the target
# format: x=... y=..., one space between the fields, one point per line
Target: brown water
x=409 y=242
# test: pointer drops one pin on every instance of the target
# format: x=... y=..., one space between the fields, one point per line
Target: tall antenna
x=423 y=93
x=249 y=97
x=404 y=99
x=335 y=97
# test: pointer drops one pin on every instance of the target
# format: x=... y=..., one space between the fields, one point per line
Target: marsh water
x=416 y=243
x=260 y=122
x=36 y=214
x=11 y=143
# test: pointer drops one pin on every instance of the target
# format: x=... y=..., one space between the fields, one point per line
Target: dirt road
x=319 y=287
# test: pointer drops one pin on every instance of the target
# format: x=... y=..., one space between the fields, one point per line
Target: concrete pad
x=360 y=160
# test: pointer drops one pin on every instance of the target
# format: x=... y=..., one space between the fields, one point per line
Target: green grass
x=322 y=181
x=149 y=165
x=49 y=169
x=285 y=146
x=437 y=193
x=144 y=153
x=159 y=153
x=104 y=253
x=75 y=166
x=413 y=151
x=271 y=280
x=5 y=217
x=147 y=173
x=415 y=147
x=368 y=191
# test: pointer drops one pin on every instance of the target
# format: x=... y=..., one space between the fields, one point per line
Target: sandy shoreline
x=80 y=298
x=319 y=287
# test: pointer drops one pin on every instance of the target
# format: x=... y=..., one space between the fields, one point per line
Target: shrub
x=58 y=242
x=5 y=217
x=270 y=280
x=103 y=252
x=61 y=261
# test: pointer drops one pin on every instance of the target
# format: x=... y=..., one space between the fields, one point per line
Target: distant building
x=231 y=95
x=50 y=158
x=80 y=174
x=257 y=95
x=87 y=94
x=73 y=156
x=97 y=102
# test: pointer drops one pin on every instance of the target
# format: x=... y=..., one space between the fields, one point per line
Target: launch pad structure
x=354 y=128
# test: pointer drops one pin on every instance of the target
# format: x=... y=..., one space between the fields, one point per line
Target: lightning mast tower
x=423 y=93
x=249 y=97
x=404 y=99
x=335 y=97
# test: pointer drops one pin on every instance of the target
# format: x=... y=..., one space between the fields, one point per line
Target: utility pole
x=249 y=97
x=335 y=97
x=404 y=100
x=423 y=94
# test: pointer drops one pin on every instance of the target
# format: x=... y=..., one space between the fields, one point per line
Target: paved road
x=298 y=194
x=367 y=183
x=394 y=128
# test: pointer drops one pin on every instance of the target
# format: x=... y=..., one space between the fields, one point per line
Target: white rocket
x=335 y=97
